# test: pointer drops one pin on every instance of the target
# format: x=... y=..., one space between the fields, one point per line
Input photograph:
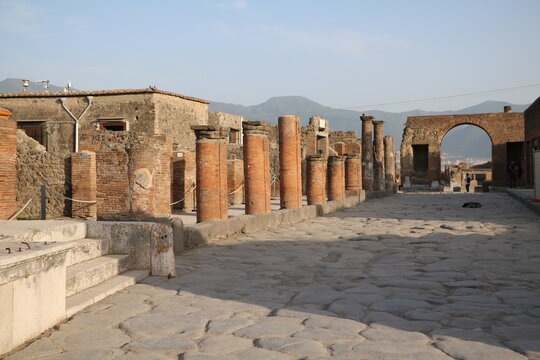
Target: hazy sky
x=338 y=53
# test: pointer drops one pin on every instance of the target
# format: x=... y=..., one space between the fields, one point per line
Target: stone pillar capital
x=210 y=132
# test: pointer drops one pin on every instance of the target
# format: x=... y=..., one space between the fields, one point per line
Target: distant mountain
x=16 y=86
x=466 y=144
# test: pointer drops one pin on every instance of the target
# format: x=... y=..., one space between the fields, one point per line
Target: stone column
x=367 y=152
x=378 y=155
x=316 y=179
x=211 y=163
x=84 y=185
x=257 y=167
x=353 y=173
x=336 y=177
x=389 y=163
x=290 y=169
x=8 y=171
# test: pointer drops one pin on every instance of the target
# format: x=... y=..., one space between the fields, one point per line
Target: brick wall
x=83 y=180
x=133 y=174
x=8 y=172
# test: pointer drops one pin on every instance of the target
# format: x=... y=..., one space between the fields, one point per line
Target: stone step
x=96 y=293
x=86 y=249
x=92 y=272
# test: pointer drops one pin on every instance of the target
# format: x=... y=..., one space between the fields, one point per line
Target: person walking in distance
x=467 y=182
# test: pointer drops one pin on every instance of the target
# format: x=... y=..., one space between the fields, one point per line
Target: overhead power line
x=447 y=97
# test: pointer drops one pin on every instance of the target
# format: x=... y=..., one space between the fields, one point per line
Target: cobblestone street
x=411 y=276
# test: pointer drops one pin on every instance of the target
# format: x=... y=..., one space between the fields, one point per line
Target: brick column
x=389 y=163
x=257 y=167
x=8 y=170
x=83 y=185
x=211 y=163
x=367 y=152
x=378 y=155
x=316 y=179
x=290 y=169
x=353 y=173
x=336 y=177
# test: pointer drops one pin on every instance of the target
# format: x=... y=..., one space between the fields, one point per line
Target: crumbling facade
x=423 y=135
x=49 y=117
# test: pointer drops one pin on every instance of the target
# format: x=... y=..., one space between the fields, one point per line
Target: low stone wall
x=196 y=235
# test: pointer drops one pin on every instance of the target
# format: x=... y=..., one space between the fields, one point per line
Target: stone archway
x=423 y=135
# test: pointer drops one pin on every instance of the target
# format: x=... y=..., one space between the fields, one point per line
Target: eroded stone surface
x=412 y=276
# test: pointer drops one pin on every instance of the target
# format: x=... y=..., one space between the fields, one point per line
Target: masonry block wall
x=83 y=180
x=429 y=131
x=352 y=143
x=133 y=174
x=8 y=171
x=35 y=167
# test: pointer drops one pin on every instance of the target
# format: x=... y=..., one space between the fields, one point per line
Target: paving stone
x=399 y=305
x=148 y=325
x=467 y=284
x=227 y=326
x=468 y=323
x=348 y=308
x=94 y=354
x=90 y=339
x=522 y=332
x=334 y=323
x=144 y=355
x=462 y=334
x=429 y=315
x=530 y=348
x=176 y=343
x=326 y=335
x=38 y=349
x=317 y=294
x=375 y=350
x=223 y=344
x=472 y=350
x=270 y=327
x=293 y=346
x=301 y=312
x=379 y=332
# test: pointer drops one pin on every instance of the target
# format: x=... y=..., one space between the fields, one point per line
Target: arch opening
x=466 y=149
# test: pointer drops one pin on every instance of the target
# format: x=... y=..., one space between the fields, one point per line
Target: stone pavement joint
x=413 y=276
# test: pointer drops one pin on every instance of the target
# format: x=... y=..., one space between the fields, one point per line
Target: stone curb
x=211 y=232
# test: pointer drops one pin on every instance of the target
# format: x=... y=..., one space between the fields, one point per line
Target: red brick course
x=336 y=177
x=257 y=167
x=84 y=185
x=316 y=179
x=211 y=160
x=290 y=162
x=8 y=170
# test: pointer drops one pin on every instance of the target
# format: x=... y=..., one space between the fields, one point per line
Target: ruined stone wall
x=430 y=130
x=232 y=121
x=138 y=110
x=174 y=117
x=36 y=167
x=133 y=174
x=532 y=138
x=352 y=142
